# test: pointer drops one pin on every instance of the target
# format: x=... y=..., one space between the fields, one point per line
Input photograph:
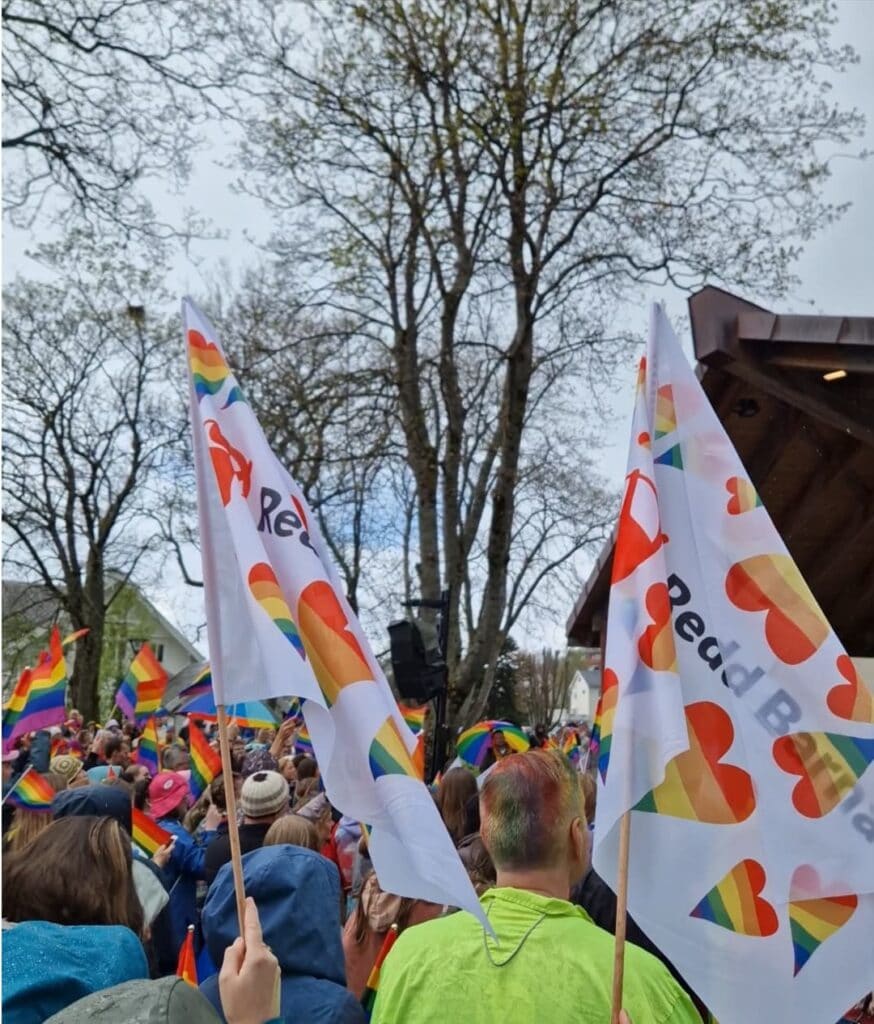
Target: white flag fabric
x=734 y=728
x=279 y=625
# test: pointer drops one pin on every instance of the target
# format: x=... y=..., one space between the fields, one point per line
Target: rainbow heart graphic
x=851 y=700
x=742 y=496
x=735 y=902
x=795 y=628
x=388 y=753
x=208 y=367
x=829 y=766
x=333 y=649
x=666 y=414
x=265 y=589
x=656 y=645
x=814 y=921
x=696 y=785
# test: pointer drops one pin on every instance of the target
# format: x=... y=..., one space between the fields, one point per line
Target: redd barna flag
x=279 y=625
x=733 y=727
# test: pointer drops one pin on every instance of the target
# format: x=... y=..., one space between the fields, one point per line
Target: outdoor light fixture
x=834 y=375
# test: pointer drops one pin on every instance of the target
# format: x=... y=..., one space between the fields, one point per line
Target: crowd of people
x=94 y=924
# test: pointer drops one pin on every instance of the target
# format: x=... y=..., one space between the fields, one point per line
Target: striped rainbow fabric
x=37 y=702
x=147 y=751
x=147 y=834
x=205 y=762
x=414 y=717
x=32 y=792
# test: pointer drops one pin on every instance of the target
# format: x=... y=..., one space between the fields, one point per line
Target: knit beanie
x=264 y=794
x=66 y=765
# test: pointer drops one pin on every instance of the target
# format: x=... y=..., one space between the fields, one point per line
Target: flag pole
x=621 y=915
x=231 y=802
x=26 y=771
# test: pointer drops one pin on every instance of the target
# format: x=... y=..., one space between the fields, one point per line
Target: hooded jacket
x=47 y=966
x=297 y=893
x=549 y=962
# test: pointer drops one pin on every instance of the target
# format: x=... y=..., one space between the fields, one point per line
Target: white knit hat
x=264 y=794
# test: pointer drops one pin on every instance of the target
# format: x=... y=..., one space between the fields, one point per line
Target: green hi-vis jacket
x=550 y=963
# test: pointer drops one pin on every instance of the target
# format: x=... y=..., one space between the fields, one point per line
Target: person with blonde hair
x=546 y=958
x=294 y=830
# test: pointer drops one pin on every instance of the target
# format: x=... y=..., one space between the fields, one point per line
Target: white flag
x=734 y=727
x=279 y=624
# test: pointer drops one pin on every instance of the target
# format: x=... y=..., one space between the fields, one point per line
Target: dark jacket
x=297 y=893
x=599 y=902
x=218 y=853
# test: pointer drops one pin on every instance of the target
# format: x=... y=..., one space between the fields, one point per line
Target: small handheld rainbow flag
x=205 y=762
x=147 y=834
x=37 y=701
x=147 y=751
x=186 y=965
x=142 y=688
x=368 y=999
x=32 y=792
x=414 y=717
x=302 y=742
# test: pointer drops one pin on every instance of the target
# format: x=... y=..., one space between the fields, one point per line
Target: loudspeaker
x=418 y=667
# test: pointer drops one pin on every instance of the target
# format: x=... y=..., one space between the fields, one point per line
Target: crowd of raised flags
x=723 y=743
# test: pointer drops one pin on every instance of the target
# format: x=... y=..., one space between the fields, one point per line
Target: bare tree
x=542 y=687
x=97 y=95
x=89 y=432
x=477 y=184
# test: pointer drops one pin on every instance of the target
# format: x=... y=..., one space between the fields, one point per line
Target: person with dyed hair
x=547 y=960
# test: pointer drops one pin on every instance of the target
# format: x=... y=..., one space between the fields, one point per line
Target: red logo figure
x=640 y=533
x=228 y=463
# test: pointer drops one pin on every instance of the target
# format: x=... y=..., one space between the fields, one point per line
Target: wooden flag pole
x=621 y=915
x=231 y=802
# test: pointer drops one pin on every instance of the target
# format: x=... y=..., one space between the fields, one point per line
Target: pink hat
x=166 y=791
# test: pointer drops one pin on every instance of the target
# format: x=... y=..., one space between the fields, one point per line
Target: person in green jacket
x=547 y=961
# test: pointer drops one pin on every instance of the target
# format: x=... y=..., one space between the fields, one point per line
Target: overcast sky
x=834 y=271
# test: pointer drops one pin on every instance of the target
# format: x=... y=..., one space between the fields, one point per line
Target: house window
x=159 y=652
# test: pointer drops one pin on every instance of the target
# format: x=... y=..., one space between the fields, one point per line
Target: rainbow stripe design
x=666 y=415
x=147 y=750
x=205 y=762
x=743 y=497
x=388 y=753
x=209 y=371
x=602 y=729
x=368 y=999
x=332 y=647
x=829 y=766
x=151 y=681
x=414 y=717
x=32 y=792
x=813 y=921
x=264 y=587
x=474 y=743
x=147 y=834
x=735 y=903
x=302 y=742
x=186 y=965
x=37 y=702
x=851 y=700
x=673 y=457
x=234 y=395
x=697 y=786
x=795 y=628
x=200 y=686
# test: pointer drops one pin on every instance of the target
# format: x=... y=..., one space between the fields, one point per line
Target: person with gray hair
x=174 y=759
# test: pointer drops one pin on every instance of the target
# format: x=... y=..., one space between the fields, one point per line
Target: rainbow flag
x=142 y=688
x=302 y=742
x=368 y=1000
x=414 y=717
x=202 y=684
x=32 y=792
x=205 y=762
x=147 y=834
x=37 y=701
x=59 y=746
x=148 y=749
x=186 y=965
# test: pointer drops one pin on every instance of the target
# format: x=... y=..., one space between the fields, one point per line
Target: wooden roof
x=807 y=444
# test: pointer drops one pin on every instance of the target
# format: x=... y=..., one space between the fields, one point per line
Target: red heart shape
x=851 y=700
x=697 y=786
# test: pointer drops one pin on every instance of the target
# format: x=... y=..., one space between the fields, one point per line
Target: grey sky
x=834 y=270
